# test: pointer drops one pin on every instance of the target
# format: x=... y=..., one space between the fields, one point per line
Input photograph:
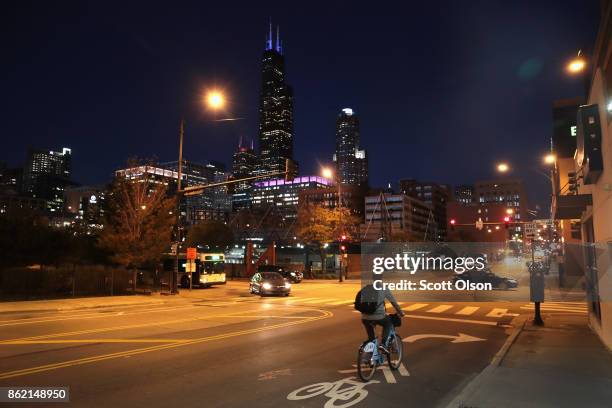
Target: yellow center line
x=141 y=325
x=103 y=357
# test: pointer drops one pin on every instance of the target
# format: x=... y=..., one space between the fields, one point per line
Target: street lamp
x=503 y=167
x=329 y=174
x=214 y=100
x=550 y=158
x=577 y=65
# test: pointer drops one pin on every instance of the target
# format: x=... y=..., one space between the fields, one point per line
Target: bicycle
x=371 y=354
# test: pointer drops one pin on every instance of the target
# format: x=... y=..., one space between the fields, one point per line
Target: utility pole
x=178 y=210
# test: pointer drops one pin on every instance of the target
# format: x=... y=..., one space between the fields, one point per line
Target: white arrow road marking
x=461 y=338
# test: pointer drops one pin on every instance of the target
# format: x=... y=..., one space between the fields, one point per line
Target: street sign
x=191 y=254
x=190 y=267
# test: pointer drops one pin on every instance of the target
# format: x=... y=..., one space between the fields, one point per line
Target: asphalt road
x=223 y=347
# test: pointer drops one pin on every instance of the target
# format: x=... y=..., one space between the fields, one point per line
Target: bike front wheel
x=366 y=363
x=396 y=352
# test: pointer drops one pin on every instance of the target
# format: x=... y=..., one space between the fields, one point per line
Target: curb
x=461 y=398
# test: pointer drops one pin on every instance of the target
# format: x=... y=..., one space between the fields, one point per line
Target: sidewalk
x=562 y=364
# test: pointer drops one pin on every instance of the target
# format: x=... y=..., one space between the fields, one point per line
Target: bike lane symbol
x=342 y=393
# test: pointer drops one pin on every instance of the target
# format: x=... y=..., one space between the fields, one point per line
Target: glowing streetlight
x=509 y=211
x=215 y=99
x=549 y=158
x=327 y=173
x=577 y=65
x=503 y=167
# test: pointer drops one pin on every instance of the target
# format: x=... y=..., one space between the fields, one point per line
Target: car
x=292 y=276
x=269 y=283
x=487 y=276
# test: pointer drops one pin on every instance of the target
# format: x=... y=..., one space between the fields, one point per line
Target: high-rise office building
x=243 y=165
x=508 y=191
x=46 y=175
x=275 y=110
x=351 y=160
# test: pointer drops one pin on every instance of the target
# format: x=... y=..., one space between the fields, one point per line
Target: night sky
x=443 y=90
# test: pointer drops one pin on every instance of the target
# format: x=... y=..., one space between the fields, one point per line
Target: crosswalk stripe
x=546 y=304
x=468 y=310
x=415 y=306
x=342 y=302
x=439 y=309
x=497 y=312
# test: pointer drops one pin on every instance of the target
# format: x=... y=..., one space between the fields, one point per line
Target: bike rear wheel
x=366 y=364
x=396 y=352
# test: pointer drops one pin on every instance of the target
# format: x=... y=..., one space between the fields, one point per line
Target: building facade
x=275 y=110
x=396 y=217
x=351 y=161
x=511 y=193
x=464 y=194
x=46 y=175
x=244 y=164
x=489 y=215
x=284 y=196
x=589 y=198
x=436 y=196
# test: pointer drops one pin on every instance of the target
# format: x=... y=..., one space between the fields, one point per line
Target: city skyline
x=323 y=86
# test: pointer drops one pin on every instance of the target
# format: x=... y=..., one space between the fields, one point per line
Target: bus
x=210 y=269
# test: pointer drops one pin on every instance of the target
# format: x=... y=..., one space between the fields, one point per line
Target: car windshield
x=271 y=276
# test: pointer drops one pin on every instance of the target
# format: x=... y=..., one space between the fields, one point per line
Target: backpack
x=366 y=300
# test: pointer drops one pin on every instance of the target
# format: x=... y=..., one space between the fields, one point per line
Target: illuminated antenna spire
x=269 y=40
x=252 y=146
x=240 y=142
x=278 y=41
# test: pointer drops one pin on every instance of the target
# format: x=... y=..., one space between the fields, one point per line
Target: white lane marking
x=461 y=338
x=415 y=306
x=387 y=372
x=451 y=319
x=468 y=310
x=559 y=306
x=403 y=371
x=497 y=312
x=439 y=309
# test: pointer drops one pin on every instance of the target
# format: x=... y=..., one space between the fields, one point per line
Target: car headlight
x=287 y=285
x=266 y=285
x=292 y=273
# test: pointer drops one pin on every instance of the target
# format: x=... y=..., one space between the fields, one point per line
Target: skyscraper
x=46 y=175
x=243 y=165
x=351 y=161
x=275 y=110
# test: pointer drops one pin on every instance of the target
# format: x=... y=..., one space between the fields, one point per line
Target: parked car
x=487 y=276
x=292 y=276
x=269 y=283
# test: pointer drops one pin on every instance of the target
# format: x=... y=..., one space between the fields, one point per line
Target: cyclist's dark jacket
x=379 y=314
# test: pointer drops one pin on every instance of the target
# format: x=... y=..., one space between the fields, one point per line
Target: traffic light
x=343 y=248
x=343 y=237
x=452 y=224
x=506 y=222
x=290 y=170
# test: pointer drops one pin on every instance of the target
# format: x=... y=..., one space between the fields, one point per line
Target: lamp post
x=214 y=100
x=329 y=174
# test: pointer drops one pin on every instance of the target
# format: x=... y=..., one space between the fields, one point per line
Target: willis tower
x=275 y=110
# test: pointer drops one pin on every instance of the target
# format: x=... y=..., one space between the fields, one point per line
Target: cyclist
x=379 y=315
